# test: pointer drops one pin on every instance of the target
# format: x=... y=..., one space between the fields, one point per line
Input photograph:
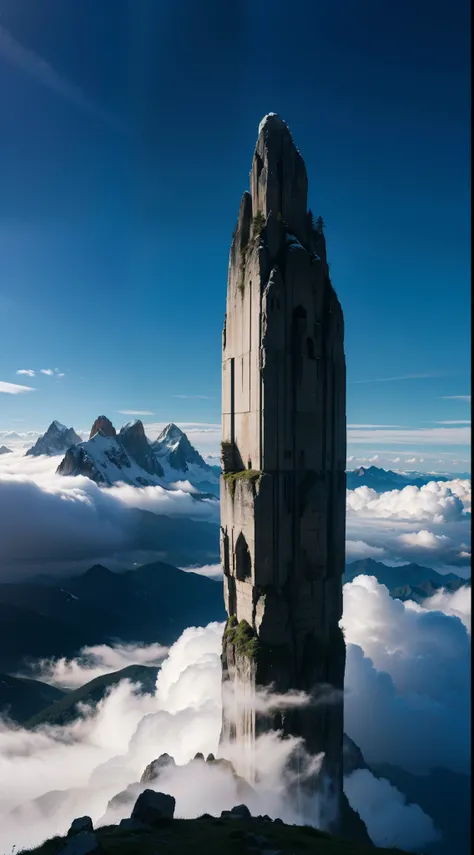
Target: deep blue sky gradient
x=123 y=164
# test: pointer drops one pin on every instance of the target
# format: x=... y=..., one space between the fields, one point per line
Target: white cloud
x=429 y=375
x=356 y=549
x=201 y=397
x=213 y=571
x=411 y=436
x=437 y=501
x=14 y=388
x=95 y=661
x=48 y=371
x=92 y=760
x=407 y=680
x=32 y=496
x=466 y=398
x=390 y=820
x=28 y=371
x=457 y=604
x=374 y=426
x=135 y=412
x=51 y=523
x=424 y=539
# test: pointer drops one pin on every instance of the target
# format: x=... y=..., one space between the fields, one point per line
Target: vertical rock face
x=283 y=459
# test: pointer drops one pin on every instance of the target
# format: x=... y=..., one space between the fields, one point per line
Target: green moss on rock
x=242 y=636
x=231 y=478
x=258 y=223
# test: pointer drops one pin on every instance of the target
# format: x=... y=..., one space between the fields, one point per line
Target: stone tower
x=283 y=460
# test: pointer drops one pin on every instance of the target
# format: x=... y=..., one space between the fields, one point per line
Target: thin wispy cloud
x=454 y=422
x=135 y=412
x=201 y=397
x=27 y=371
x=415 y=436
x=375 y=426
x=36 y=67
x=52 y=372
x=457 y=398
x=427 y=376
x=14 y=388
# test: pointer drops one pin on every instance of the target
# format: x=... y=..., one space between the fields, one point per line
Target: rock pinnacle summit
x=283 y=462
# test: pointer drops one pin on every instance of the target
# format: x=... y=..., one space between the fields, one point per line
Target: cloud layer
x=393 y=649
x=412 y=666
x=49 y=521
x=429 y=525
x=95 y=661
x=14 y=388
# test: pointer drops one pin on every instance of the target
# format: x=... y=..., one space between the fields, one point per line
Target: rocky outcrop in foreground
x=151 y=828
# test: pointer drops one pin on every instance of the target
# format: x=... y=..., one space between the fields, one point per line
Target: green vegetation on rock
x=231 y=478
x=242 y=636
x=258 y=223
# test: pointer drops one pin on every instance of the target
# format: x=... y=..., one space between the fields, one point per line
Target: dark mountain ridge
x=46 y=617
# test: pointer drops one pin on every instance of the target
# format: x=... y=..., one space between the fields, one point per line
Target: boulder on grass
x=82 y=843
x=82 y=823
x=151 y=807
x=237 y=812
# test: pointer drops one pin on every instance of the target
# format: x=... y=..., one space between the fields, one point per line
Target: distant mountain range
x=382 y=480
x=49 y=617
x=128 y=456
x=408 y=582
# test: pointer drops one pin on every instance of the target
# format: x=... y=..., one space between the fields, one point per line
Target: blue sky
x=126 y=142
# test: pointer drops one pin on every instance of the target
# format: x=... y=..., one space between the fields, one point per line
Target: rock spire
x=283 y=461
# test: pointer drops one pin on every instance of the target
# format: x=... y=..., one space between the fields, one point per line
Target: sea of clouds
x=407 y=702
x=407 y=672
x=50 y=523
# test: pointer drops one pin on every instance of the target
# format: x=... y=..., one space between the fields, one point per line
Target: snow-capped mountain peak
x=132 y=437
x=57 y=439
x=170 y=435
x=108 y=457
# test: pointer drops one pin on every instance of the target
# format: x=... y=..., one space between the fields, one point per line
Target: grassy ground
x=218 y=837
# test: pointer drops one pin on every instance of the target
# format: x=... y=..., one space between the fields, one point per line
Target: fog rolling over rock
x=58 y=438
x=128 y=457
